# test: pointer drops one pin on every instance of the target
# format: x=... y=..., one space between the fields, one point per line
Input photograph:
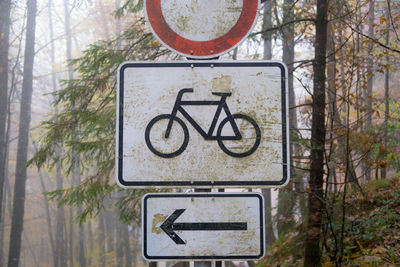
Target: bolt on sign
x=201 y=29
x=183 y=227
x=202 y=124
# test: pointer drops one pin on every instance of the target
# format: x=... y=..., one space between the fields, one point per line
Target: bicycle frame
x=221 y=105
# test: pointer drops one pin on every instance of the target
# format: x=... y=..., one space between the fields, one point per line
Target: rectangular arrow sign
x=200 y=226
x=202 y=124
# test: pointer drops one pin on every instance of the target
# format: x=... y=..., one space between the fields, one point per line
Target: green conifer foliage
x=87 y=110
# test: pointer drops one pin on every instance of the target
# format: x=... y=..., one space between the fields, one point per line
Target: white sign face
x=183 y=226
x=201 y=29
x=208 y=22
x=202 y=124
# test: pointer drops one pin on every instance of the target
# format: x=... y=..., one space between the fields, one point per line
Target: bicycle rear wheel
x=176 y=142
x=250 y=136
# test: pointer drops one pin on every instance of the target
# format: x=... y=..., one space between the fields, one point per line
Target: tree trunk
x=370 y=83
x=67 y=26
x=71 y=238
x=286 y=202
x=81 y=241
x=76 y=176
x=135 y=246
x=23 y=139
x=60 y=251
x=48 y=220
x=6 y=189
x=6 y=201
x=70 y=77
x=387 y=76
x=119 y=253
x=5 y=10
x=267 y=37
x=332 y=107
x=126 y=245
x=109 y=227
x=288 y=58
x=105 y=25
x=6 y=184
x=340 y=153
x=118 y=25
x=60 y=223
x=312 y=255
x=102 y=241
x=201 y=264
x=3 y=202
x=90 y=242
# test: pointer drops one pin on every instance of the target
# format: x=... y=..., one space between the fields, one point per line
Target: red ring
x=201 y=48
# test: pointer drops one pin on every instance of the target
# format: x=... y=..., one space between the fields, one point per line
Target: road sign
x=202 y=124
x=201 y=29
x=183 y=227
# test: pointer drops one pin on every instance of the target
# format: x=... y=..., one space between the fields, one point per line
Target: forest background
x=57 y=123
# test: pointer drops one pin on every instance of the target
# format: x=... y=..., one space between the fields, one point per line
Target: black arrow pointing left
x=169 y=227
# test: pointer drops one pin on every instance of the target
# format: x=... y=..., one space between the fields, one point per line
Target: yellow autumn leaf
x=355 y=255
x=155 y=43
x=382 y=19
x=390 y=68
x=359 y=244
x=378 y=250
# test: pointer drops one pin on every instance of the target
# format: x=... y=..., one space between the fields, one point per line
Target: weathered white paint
x=151 y=91
x=201 y=20
x=199 y=208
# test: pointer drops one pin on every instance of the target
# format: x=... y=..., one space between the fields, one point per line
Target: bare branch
x=283 y=25
x=373 y=39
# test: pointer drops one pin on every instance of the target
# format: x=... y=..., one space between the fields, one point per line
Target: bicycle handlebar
x=184 y=90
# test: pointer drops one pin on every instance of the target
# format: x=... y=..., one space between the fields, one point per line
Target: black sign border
x=191 y=184
x=202 y=195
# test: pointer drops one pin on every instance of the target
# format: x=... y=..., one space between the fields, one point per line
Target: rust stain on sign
x=222 y=84
x=158 y=219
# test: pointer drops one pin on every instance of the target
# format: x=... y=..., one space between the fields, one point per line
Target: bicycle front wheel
x=176 y=142
x=240 y=147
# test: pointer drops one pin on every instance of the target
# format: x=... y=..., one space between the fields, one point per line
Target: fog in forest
x=60 y=204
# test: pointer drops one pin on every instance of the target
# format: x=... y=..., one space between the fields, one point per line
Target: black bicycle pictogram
x=239 y=141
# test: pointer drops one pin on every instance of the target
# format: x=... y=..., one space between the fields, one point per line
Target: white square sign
x=202 y=124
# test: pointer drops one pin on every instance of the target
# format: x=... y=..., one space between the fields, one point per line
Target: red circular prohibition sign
x=201 y=49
